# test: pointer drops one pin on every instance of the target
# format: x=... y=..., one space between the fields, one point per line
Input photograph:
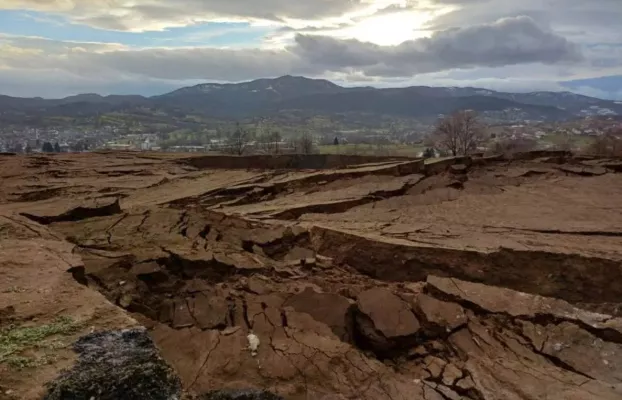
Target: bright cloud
x=148 y=15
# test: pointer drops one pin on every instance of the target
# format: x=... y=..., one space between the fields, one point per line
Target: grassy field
x=560 y=139
x=401 y=150
x=553 y=140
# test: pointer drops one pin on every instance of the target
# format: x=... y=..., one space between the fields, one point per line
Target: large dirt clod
x=385 y=323
x=438 y=317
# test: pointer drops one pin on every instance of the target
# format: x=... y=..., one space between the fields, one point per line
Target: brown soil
x=464 y=278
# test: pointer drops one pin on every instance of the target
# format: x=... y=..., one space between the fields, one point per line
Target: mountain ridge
x=272 y=96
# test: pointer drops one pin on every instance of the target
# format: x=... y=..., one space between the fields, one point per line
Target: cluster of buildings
x=151 y=142
x=32 y=140
x=587 y=128
x=136 y=141
x=114 y=138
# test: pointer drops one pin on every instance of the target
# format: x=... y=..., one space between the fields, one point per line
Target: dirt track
x=459 y=279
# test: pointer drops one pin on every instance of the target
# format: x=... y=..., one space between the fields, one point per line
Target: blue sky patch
x=609 y=87
x=29 y=23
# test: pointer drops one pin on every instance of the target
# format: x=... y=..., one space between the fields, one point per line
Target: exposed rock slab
x=97 y=208
x=384 y=321
x=439 y=316
x=329 y=308
x=518 y=304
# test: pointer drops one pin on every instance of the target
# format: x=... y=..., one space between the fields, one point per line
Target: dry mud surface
x=481 y=279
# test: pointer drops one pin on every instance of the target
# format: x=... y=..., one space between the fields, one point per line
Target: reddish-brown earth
x=481 y=279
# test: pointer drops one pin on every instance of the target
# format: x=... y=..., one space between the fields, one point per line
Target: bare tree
x=607 y=145
x=305 y=143
x=270 y=142
x=275 y=139
x=459 y=133
x=564 y=142
x=238 y=140
x=263 y=143
x=381 y=146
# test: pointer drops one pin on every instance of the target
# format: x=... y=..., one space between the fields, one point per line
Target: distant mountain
x=418 y=102
x=82 y=104
x=244 y=98
x=281 y=88
x=112 y=99
x=265 y=97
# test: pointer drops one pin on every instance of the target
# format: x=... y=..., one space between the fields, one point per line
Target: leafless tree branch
x=459 y=133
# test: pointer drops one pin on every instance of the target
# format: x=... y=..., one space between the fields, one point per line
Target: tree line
x=238 y=141
x=462 y=132
x=50 y=148
x=457 y=134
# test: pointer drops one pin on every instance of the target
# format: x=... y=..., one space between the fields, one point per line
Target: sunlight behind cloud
x=389 y=29
x=385 y=23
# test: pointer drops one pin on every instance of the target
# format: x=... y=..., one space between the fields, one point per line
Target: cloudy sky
x=54 y=48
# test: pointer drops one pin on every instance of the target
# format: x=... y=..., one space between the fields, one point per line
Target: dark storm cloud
x=508 y=41
x=584 y=21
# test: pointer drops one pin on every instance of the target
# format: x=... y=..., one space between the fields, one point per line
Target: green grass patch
x=561 y=139
x=16 y=340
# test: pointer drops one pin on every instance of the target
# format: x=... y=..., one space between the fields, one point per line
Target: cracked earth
x=481 y=279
